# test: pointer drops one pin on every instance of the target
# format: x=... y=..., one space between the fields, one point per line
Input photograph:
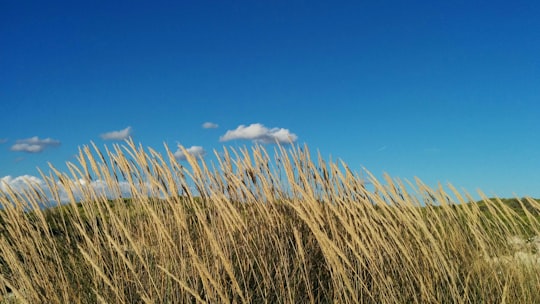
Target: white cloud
x=196 y=151
x=20 y=183
x=210 y=125
x=3 y=140
x=260 y=134
x=34 y=144
x=117 y=135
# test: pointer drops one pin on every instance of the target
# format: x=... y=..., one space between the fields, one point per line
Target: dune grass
x=257 y=228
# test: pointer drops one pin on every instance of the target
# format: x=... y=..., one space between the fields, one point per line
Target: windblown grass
x=258 y=229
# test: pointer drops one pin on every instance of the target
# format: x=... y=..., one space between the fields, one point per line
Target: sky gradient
x=447 y=92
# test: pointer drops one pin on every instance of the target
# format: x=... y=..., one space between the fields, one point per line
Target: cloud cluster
x=256 y=132
x=195 y=151
x=21 y=183
x=117 y=135
x=210 y=125
x=260 y=134
x=34 y=144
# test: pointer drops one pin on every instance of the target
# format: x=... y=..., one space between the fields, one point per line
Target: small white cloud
x=210 y=125
x=260 y=134
x=3 y=140
x=34 y=144
x=117 y=135
x=196 y=151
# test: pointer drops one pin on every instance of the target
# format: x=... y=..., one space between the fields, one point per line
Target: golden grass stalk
x=129 y=225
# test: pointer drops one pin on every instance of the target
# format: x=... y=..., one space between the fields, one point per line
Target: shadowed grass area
x=259 y=229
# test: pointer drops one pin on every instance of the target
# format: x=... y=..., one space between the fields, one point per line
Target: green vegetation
x=253 y=232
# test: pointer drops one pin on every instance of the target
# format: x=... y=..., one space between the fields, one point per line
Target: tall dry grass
x=256 y=228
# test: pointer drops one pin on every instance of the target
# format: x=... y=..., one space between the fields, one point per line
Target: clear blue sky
x=447 y=91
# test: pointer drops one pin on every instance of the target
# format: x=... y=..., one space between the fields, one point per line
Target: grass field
x=259 y=227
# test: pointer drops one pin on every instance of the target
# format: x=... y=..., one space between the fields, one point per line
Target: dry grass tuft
x=257 y=229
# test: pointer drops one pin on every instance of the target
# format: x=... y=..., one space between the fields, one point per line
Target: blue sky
x=444 y=90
